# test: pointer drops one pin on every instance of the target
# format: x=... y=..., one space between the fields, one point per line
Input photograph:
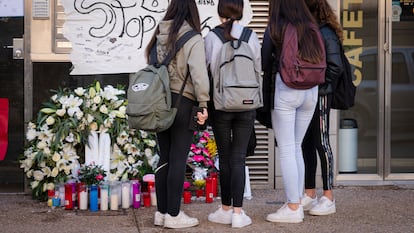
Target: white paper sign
x=110 y=36
x=11 y=8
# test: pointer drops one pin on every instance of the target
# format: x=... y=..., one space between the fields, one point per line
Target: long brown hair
x=296 y=13
x=178 y=11
x=231 y=10
x=324 y=14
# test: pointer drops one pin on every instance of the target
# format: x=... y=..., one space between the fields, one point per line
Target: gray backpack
x=149 y=96
x=236 y=84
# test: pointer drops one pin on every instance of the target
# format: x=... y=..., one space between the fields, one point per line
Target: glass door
x=400 y=86
x=379 y=44
x=11 y=95
x=359 y=20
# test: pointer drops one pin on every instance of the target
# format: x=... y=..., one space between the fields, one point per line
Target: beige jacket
x=193 y=54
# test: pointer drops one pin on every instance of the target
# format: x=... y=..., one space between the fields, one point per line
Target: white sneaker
x=324 y=207
x=180 y=221
x=307 y=202
x=221 y=216
x=286 y=215
x=159 y=219
x=240 y=220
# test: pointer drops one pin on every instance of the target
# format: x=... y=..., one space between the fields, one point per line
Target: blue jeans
x=232 y=133
x=291 y=116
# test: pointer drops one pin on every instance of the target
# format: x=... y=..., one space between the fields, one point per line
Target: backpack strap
x=178 y=45
x=245 y=36
x=219 y=31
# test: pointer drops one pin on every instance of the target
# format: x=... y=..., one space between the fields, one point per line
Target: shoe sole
x=160 y=224
x=285 y=220
x=177 y=226
x=307 y=208
x=322 y=213
x=225 y=223
x=240 y=226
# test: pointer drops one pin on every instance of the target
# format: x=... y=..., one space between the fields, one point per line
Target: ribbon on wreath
x=4 y=126
x=98 y=150
x=92 y=149
x=104 y=152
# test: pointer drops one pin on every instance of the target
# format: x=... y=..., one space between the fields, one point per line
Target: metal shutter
x=262 y=163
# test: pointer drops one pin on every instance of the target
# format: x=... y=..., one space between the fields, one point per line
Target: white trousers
x=292 y=113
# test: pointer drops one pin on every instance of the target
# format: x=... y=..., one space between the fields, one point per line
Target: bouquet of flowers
x=56 y=139
x=202 y=155
x=91 y=174
x=134 y=155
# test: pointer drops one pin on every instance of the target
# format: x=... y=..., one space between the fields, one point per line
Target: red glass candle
x=146 y=198
x=214 y=184
x=199 y=193
x=209 y=190
x=68 y=196
x=187 y=197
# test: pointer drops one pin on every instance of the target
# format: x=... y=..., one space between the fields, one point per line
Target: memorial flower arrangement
x=91 y=174
x=57 y=137
x=202 y=156
x=135 y=154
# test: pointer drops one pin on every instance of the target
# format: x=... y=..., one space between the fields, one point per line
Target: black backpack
x=344 y=88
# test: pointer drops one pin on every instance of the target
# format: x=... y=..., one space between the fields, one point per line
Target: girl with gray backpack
x=230 y=48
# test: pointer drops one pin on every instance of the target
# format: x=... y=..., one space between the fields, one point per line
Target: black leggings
x=317 y=139
x=174 y=146
x=232 y=133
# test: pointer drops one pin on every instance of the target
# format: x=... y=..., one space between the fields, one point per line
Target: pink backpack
x=297 y=73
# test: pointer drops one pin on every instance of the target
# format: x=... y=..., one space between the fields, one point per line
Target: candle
x=136 y=196
x=209 y=190
x=104 y=200
x=147 y=199
x=114 y=201
x=50 y=195
x=83 y=200
x=93 y=198
x=104 y=196
x=153 y=197
x=68 y=196
x=125 y=195
x=187 y=197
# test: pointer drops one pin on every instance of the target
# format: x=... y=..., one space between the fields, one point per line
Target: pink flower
x=197 y=150
x=186 y=184
x=198 y=158
x=99 y=177
x=203 y=140
x=206 y=134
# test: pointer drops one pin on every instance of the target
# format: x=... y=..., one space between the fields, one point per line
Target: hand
x=202 y=116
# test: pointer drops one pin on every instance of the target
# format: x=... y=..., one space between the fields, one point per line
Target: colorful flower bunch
x=91 y=174
x=203 y=151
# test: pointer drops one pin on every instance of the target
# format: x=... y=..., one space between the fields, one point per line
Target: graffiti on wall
x=110 y=36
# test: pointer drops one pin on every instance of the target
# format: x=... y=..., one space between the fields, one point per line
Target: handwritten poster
x=11 y=8
x=110 y=36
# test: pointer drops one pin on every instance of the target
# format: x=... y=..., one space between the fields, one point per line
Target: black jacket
x=334 y=67
x=270 y=68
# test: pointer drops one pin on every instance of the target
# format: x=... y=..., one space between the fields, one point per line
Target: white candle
x=114 y=201
x=125 y=197
x=83 y=200
x=153 y=198
x=104 y=200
